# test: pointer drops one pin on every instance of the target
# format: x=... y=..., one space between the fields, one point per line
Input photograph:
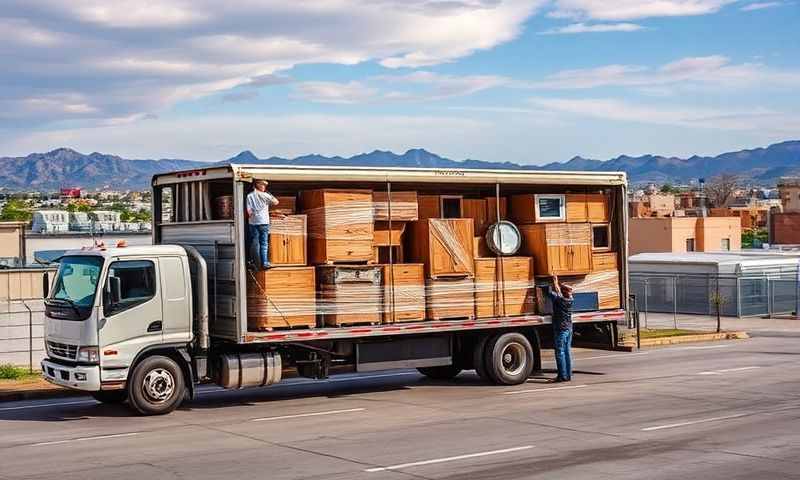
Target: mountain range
x=66 y=167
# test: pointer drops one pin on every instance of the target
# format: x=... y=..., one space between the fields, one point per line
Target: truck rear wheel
x=509 y=358
x=156 y=386
x=445 y=372
x=479 y=359
x=110 y=396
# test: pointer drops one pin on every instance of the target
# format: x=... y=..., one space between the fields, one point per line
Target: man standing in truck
x=258 y=203
x=561 y=296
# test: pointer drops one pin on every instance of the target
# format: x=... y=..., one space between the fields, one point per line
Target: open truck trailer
x=373 y=269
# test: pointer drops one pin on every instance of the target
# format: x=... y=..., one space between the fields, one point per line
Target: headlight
x=89 y=355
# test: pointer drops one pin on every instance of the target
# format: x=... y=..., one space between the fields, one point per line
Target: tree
x=16 y=210
x=718 y=301
x=721 y=188
x=668 y=188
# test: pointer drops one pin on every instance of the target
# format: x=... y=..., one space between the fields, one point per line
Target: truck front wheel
x=156 y=386
x=509 y=358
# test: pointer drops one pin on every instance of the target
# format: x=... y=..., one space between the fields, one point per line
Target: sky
x=527 y=81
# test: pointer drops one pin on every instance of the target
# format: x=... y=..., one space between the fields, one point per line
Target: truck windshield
x=75 y=286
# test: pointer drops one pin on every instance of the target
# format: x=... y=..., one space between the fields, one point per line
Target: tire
x=110 y=396
x=445 y=372
x=157 y=386
x=479 y=359
x=509 y=358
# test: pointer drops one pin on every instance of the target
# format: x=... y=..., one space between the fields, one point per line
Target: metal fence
x=21 y=316
x=696 y=294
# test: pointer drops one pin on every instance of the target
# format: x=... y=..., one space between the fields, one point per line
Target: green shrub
x=12 y=372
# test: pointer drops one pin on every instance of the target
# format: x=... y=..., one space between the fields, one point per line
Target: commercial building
x=789 y=191
x=685 y=234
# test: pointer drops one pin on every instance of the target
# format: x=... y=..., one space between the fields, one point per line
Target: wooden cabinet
x=403 y=292
x=383 y=237
x=504 y=286
x=604 y=261
x=587 y=207
x=281 y=297
x=558 y=248
x=443 y=245
x=340 y=225
x=350 y=294
x=576 y=208
x=287 y=205
x=287 y=240
x=440 y=206
x=404 y=206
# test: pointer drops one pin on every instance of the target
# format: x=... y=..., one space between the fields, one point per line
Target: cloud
x=761 y=6
x=711 y=71
x=634 y=9
x=334 y=92
x=129 y=57
x=593 y=28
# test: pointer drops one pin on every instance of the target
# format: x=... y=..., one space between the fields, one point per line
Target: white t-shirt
x=258 y=203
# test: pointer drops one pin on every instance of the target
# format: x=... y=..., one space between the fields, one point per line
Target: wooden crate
x=431 y=206
x=558 y=248
x=504 y=289
x=604 y=261
x=340 y=225
x=480 y=248
x=383 y=237
x=404 y=206
x=287 y=240
x=380 y=254
x=605 y=283
x=403 y=292
x=350 y=294
x=287 y=205
x=443 y=245
x=449 y=298
x=522 y=210
x=576 y=208
x=587 y=207
x=281 y=297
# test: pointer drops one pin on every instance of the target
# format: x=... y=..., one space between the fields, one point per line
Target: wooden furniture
x=558 y=248
x=404 y=206
x=504 y=286
x=281 y=297
x=528 y=208
x=287 y=205
x=383 y=237
x=475 y=208
x=403 y=292
x=587 y=207
x=350 y=294
x=440 y=206
x=443 y=245
x=380 y=254
x=340 y=225
x=449 y=298
x=480 y=248
x=604 y=261
x=605 y=283
x=287 y=240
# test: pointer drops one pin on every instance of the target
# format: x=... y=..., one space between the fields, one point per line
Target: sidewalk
x=753 y=325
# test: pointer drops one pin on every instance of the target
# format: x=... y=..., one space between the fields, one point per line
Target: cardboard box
x=281 y=297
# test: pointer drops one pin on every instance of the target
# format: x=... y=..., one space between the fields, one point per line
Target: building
x=12 y=244
x=684 y=234
x=747 y=283
x=70 y=193
x=789 y=191
x=50 y=221
x=784 y=228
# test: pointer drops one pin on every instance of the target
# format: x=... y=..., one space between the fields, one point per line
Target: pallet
x=276 y=328
x=445 y=318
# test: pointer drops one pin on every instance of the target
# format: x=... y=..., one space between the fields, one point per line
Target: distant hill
x=66 y=167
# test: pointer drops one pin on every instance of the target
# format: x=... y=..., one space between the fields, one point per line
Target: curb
x=700 y=337
x=40 y=393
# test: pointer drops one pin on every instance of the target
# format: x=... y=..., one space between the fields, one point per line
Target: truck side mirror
x=46 y=285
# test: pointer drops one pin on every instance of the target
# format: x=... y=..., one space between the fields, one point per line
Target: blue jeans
x=259 y=235
x=562 y=340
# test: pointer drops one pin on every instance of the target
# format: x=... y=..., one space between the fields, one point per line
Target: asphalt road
x=724 y=410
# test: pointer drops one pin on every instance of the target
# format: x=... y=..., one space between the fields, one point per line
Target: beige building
x=789 y=190
x=684 y=234
x=12 y=243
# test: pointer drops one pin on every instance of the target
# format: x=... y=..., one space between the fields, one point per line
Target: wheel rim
x=513 y=359
x=158 y=385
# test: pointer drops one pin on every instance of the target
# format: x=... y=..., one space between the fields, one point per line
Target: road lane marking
x=448 y=459
x=24 y=407
x=312 y=414
x=727 y=370
x=85 y=439
x=540 y=390
x=693 y=422
x=704 y=347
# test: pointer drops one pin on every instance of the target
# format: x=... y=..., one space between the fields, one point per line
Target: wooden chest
x=350 y=294
x=604 y=261
x=504 y=289
x=287 y=205
x=404 y=206
x=340 y=225
x=443 y=245
x=449 y=298
x=287 y=240
x=281 y=297
x=404 y=292
x=558 y=248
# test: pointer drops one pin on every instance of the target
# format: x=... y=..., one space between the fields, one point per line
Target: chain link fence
x=22 y=317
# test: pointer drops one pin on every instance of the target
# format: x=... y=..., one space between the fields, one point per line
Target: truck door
x=135 y=321
x=175 y=298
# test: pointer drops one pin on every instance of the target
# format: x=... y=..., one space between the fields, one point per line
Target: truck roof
x=291 y=173
x=143 y=250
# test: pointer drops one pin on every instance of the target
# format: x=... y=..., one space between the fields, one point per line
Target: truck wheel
x=110 y=396
x=479 y=359
x=156 y=386
x=445 y=372
x=509 y=358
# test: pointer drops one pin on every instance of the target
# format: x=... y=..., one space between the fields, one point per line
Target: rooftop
x=750 y=257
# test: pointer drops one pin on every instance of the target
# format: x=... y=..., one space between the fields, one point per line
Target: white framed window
x=550 y=208
x=601 y=236
x=725 y=244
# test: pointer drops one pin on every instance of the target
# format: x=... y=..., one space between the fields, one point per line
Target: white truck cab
x=109 y=306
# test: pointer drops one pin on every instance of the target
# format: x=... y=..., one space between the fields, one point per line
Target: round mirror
x=503 y=238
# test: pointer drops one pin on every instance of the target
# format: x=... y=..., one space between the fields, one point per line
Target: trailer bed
x=341 y=333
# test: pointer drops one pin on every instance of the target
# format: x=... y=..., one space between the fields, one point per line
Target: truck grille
x=62 y=350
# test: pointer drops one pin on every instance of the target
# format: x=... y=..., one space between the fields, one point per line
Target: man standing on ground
x=258 y=202
x=561 y=295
